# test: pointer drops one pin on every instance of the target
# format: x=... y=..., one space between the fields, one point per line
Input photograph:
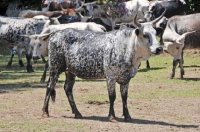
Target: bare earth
x=151 y=114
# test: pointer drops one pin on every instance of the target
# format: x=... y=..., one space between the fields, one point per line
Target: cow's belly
x=86 y=64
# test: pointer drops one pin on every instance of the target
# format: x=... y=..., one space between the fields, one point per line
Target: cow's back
x=186 y=23
x=87 y=53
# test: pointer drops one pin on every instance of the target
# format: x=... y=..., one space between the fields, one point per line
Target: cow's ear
x=137 y=31
x=45 y=39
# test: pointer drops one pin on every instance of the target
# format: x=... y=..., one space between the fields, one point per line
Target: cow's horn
x=62 y=8
x=136 y=22
x=27 y=36
x=181 y=39
x=91 y=3
x=157 y=19
x=78 y=9
x=45 y=34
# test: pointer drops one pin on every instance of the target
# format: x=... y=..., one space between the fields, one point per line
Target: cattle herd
x=96 y=41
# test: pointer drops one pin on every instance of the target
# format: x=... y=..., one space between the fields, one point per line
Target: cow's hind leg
x=124 y=93
x=50 y=92
x=175 y=63
x=69 y=83
x=112 y=96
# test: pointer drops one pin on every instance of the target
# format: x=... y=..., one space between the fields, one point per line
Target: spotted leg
x=124 y=93
x=69 y=83
x=50 y=92
x=112 y=96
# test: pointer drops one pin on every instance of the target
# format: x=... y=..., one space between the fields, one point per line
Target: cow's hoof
x=112 y=119
x=42 y=80
x=181 y=76
x=21 y=64
x=9 y=65
x=171 y=76
x=45 y=115
x=127 y=119
x=78 y=116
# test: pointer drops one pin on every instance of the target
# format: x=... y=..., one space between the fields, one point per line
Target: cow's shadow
x=148 y=69
x=138 y=121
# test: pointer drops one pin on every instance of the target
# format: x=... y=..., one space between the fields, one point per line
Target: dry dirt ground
x=22 y=111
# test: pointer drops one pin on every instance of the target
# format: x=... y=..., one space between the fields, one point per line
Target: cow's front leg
x=29 y=65
x=69 y=83
x=112 y=96
x=182 y=72
x=124 y=93
x=50 y=92
x=45 y=71
x=20 y=57
x=10 y=61
x=175 y=62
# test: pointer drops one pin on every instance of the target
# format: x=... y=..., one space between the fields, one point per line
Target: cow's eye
x=177 y=47
x=40 y=45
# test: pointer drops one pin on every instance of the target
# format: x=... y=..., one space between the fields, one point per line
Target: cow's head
x=146 y=37
x=175 y=45
x=38 y=44
x=149 y=16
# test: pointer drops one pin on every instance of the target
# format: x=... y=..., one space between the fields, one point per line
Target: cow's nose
x=159 y=50
x=36 y=57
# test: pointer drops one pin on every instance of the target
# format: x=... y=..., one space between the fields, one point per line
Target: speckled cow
x=113 y=55
x=12 y=28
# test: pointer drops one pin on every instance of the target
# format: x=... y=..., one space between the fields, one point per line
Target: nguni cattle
x=173 y=7
x=54 y=5
x=113 y=55
x=11 y=28
x=14 y=8
x=39 y=42
x=179 y=35
x=14 y=49
x=123 y=12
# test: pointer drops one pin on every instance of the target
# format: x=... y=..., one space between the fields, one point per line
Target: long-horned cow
x=179 y=35
x=11 y=28
x=113 y=55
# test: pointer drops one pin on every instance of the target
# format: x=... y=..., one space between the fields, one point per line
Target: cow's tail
x=53 y=95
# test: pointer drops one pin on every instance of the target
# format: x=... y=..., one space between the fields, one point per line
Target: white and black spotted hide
x=12 y=28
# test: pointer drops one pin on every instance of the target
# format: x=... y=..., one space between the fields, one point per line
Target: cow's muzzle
x=159 y=50
x=35 y=58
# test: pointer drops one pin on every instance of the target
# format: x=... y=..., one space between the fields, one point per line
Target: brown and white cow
x=54 y=5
